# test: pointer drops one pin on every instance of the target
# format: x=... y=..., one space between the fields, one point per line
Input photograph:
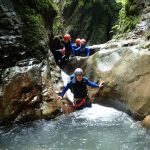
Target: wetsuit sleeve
x=66 y=88
x=78 y=48
x=72 y=47
x=75 y=49
x=89 y=83
x=87 y=51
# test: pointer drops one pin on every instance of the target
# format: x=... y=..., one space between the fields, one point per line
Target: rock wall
x=11 y=46
x=129 y=15
x=29 y=77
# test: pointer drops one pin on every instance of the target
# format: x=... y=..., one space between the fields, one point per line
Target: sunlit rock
x=21 y=92
x=50 y=109
x=146 y=122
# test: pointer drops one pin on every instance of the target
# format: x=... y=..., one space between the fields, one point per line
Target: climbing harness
x=79 y=103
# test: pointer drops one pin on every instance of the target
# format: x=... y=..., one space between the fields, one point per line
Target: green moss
x=58 y=27
x=37 y=16
x=130 y=23
x=34 y=30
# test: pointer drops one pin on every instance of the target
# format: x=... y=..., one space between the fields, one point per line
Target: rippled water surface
x=96 y=128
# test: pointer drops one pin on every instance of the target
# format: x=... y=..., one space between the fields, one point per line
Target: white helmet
x=78 y=71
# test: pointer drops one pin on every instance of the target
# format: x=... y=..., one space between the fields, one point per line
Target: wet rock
x=11 y=46
x=146 y=122
x=21 y=92
x=23 y=78
x=51 y=109
x=27 y=88
x=28 y=114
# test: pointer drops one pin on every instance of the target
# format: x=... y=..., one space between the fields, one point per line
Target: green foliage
x=87 y=5
x=128 y=17
x=129 y=23
x=80 y=3
x=41 y=5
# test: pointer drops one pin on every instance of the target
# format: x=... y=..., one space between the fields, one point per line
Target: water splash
x=66 y=79
x=97 y=112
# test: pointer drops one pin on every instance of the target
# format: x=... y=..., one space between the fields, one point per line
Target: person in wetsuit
x=84 y=50
x=78 y=86
x=77 y=47
x=62 y=55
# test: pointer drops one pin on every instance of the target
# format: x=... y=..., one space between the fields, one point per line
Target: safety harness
x=81 y=103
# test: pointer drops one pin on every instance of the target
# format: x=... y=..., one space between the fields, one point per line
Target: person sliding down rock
x=78 y=86
x=67 y=46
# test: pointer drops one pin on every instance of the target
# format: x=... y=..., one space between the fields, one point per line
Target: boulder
x=146 y=122
x=27 y=88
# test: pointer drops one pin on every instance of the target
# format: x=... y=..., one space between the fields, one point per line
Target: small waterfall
x=66 y=79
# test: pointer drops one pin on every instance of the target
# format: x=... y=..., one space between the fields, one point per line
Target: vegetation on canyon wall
x=95 y=20
x=37 y=16
x=88 y=19
x=128 y=16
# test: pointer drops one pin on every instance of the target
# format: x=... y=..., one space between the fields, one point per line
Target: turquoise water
x=96 y=128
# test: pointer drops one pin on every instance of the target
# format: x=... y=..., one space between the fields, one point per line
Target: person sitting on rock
x=84 y=51
x=77 y=47
x=78 y=86
x=66 y=51
x=67 y=46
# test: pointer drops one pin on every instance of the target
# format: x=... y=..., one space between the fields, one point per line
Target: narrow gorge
x=118 y=34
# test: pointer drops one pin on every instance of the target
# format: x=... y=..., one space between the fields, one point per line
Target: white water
x=66 y=79
x=96 y=128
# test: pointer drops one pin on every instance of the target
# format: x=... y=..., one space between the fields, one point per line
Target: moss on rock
x=37 y=16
